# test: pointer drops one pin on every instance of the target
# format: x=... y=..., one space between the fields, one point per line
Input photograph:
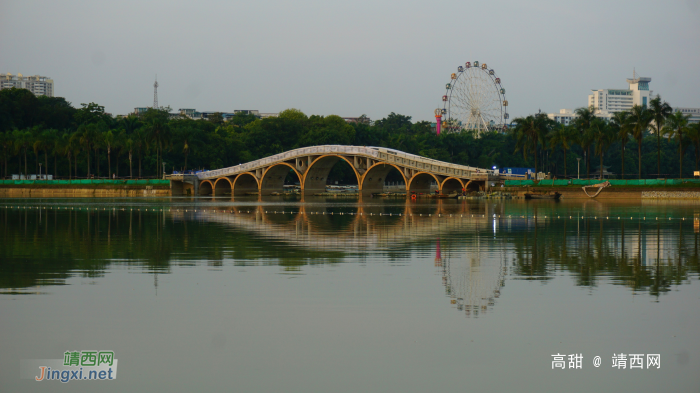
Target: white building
x=607 y=102
x=617 y=100
x=693 y=112
x=567 y=116
x=39 y=85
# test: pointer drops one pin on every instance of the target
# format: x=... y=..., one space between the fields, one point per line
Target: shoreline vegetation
x=47 y=135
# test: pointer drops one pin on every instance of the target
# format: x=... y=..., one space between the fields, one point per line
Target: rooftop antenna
x=155 y=93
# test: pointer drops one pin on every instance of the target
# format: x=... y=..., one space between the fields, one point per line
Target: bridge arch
x=375 y=176
x=420 y=182
x=206 y=188
x=222 y=185
x=273 y=177
x=243 y=183
x=316 y=175
x=475 y=185
x=452 y=184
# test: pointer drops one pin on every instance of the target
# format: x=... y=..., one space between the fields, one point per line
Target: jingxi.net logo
x=75 y=366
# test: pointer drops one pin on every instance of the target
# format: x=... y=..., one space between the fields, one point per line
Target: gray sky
x=348 y=58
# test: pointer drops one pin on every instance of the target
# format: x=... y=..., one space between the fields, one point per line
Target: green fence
x=82 y=182
x=516 y=183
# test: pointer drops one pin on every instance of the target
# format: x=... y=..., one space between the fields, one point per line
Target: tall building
x=618 y=100
x=607 y=102
x=39 y=85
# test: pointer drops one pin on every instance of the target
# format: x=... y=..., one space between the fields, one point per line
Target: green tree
x=563 y=136
x=189 y=138
x=22 y=141
x=74 y=143
x=129 y=146
x=293 y=114
x=158 y=134
x=88 y=138
x=108 y=141
x=693 y=135
x=529 y=133
x=677 y=125
x=583 y=122
x=140 y=144
x=603 y=136
x=620 y=122
x=639 y=120
x=6 y=143
x=659 y=112
x=89 y=114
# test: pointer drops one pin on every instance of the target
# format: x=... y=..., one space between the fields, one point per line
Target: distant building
x=194 y=114
x=39 y=85
x=619 y=100
x=361 y=119
x=567 y=116
x=693 y=112
x=607 y=102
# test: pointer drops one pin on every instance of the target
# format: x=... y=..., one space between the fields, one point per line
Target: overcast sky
x=348 y=58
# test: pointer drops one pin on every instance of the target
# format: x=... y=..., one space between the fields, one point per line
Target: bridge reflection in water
x=472 y=280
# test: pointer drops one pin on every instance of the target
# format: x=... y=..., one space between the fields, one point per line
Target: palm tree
x=74 y=143
x=603 y=135
x=118 y=146
x=108 y=141
x=189 y=138
x=46 y=140
x=583 y=121
x=140 y=144
x=677 y=124
x=37 y=145
x=659 y=112
x=563 y=136
x=639 y=123
x=529 y=133
x=88 y=138
x=693 y=134
x=65 y=148
x=159 y=134
x=620 y=122
x=23 y=139
x=129 y=145
x=6 y=142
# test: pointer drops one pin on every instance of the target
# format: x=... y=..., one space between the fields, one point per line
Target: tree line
x=82 y=142
x=634 y=134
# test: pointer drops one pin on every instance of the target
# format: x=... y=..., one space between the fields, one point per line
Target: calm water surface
x=327 y=295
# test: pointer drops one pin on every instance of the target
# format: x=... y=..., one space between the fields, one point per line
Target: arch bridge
x=312 y=165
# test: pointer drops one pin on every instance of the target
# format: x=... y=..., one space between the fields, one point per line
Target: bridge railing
x=391 y=155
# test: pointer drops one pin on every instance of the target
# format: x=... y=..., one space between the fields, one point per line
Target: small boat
x=554 y=196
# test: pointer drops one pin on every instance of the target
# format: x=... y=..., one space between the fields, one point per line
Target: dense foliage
x=73 y=142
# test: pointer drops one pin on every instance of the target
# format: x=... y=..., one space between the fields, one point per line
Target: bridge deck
x=377 y=153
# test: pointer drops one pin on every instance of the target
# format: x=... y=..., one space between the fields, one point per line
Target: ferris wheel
x=474 y=100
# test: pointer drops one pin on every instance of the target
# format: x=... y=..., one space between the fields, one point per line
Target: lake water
x=333 y=295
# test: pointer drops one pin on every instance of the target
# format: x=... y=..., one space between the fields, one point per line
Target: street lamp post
x=164 y=170
x=40 y=170
x=578 y=175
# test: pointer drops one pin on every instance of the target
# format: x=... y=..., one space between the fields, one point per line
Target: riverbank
x=612 y=192
x=84 y=188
